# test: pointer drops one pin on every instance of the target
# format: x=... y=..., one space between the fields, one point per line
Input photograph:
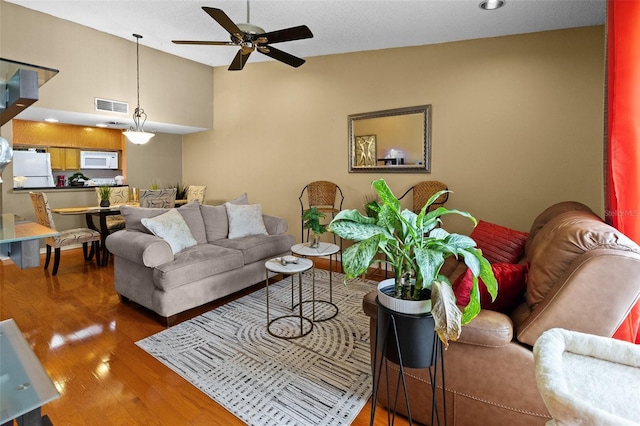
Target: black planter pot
x=413 y=335
x=105 y=203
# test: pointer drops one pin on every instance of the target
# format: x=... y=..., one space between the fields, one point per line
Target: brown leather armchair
x=583 y=275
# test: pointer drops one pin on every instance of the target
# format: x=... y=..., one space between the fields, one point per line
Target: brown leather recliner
x=583 y=275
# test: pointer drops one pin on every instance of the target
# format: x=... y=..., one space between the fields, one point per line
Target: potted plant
x=181 y=191
x=104 y=192
x=77 y=179
x=416 y=246
x=311 y=220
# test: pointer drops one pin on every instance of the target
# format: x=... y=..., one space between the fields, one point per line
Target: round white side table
x=323 y=249
x=275 y=265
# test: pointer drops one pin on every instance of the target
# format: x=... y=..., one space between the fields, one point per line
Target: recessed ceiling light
x=102 y=125
x=51 y=120
x=492 y=4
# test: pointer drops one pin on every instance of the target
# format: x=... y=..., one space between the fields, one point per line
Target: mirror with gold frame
x=391 y=141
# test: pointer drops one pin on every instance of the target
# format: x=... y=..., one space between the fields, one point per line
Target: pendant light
x=136 y=134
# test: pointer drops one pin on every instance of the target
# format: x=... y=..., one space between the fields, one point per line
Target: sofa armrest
x=593 y=296
x=139 y=247
x=489 y=328
x=275 y=225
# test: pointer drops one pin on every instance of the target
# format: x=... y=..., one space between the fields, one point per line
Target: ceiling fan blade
x=208 y=43
x=288 y=34
x=281 y=56
x=239 y=61
x=221 y=18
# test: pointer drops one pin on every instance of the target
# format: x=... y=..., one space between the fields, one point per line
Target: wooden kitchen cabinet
x=57 y=158
x=64 y=158
x=30 y=133
x=72 y=158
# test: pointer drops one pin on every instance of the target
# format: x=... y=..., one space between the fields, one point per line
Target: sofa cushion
x=134 y=215
x=245 y=220
x=216 y=224
x=193 y=217
x=498 y=243
x=196 y=263
x=242 y=200
x=511 y=278
x=172 y=228
x=255 y=248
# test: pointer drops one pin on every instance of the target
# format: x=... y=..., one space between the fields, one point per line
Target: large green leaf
x=385 y=194
x=357 y=258
x=353 y=215
x=355 y=231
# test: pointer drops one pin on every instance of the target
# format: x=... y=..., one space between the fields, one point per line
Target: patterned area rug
x=322 y=378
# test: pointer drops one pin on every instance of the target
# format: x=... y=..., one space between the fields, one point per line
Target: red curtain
x=623 y=132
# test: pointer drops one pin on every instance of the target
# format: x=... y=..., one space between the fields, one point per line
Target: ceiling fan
x=250 y=37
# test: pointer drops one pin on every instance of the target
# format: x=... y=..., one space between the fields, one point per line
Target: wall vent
x=111 y=106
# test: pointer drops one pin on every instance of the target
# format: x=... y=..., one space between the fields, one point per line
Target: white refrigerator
x=35 y=167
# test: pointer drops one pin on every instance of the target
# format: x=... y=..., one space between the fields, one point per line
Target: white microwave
x=98 y=160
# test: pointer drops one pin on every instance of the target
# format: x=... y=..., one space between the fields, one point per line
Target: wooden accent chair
x=196 y=193
x=422 y=191
x=323 y=195
x=82 y=236
x=162 y=198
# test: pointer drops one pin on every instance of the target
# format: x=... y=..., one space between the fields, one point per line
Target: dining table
x=90 y=212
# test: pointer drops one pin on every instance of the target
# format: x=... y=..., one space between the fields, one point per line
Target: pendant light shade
x=136 y=133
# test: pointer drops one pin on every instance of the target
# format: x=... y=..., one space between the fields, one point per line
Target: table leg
x=300 y=299
x=313 y=292
x=104 y=233
x=266 y=286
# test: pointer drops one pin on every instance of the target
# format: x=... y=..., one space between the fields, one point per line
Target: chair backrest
x=118 y=195
x=164 y=198
x=42 y=209
x=196 y=193
x=422 y=191
x=323 y=193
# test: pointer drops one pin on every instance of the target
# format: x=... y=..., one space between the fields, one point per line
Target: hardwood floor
x=85 y=339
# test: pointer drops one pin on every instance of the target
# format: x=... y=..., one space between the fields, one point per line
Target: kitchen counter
x=59 y=188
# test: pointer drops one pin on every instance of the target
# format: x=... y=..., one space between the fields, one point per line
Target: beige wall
x=517 y=121
x=95 y=64
x=517 y=124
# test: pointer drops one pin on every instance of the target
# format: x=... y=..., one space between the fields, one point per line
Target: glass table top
x=24 y=385
x=16 y=229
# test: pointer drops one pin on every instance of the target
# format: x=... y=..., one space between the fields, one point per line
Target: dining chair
x=323 y=195
x=68 y=237
x=422 y=191
x=196 y=193
x=118 y=195
x=163 y=198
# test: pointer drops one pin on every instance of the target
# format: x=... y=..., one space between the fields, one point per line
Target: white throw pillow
x=172 y=228
x=245 y=220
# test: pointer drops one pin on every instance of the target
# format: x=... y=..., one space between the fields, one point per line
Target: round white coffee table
x=323 y=249
x=301 y=265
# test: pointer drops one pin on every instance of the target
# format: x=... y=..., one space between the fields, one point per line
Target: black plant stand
x=409 y=341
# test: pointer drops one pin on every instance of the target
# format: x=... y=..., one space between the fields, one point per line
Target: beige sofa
x=583 y=275
x=150 y=274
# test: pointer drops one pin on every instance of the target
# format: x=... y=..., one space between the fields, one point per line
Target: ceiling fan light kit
x=136 y=133
x=249 y=37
